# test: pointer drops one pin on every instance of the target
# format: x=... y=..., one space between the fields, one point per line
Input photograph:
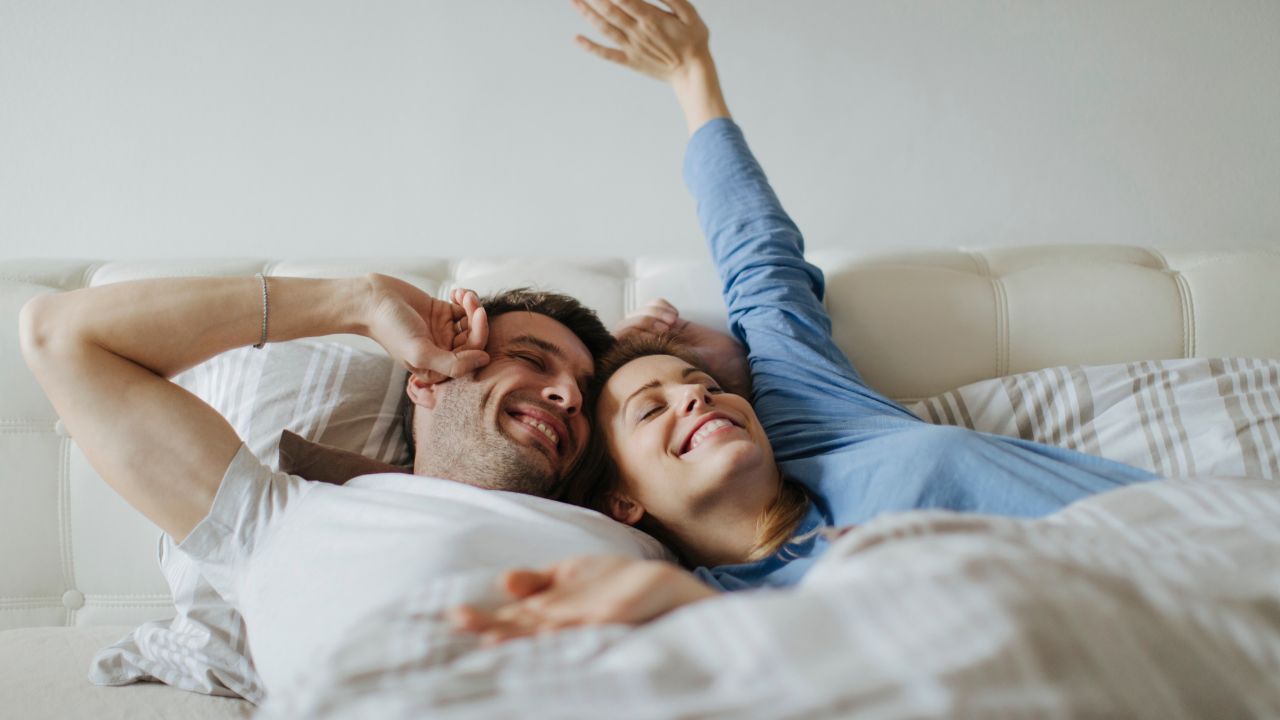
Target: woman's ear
x=624 y=509
x=421 y=392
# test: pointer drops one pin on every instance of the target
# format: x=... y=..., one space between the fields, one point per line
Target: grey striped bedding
x=1174 y=417
x=1155 y=601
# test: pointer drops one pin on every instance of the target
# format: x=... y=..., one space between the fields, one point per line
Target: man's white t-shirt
x=304 y=562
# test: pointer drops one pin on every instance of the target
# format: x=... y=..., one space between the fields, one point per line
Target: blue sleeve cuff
x=717 y=140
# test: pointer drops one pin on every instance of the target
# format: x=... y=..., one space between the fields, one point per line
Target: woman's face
x=685 y=448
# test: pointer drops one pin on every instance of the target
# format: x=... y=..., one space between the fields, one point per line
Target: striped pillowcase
x=1173 y=417
x=326 y=392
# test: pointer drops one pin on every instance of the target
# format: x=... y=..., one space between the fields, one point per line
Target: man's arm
x=103 y=356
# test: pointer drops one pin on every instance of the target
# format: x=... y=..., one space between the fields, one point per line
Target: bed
x=1033 y=323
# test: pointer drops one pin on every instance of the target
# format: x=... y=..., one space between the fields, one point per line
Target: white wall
x=342 y=127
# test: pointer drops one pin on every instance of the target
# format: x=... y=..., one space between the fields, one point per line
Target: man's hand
x=103 y=354
x=725 y=357
x=587 y=590
x=435 y=339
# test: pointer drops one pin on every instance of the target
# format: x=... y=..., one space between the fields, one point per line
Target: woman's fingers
x=641 y=10
x=608 y=53
x=643 y=324
x=614 y=14
x=681 y=9
x=599 y=22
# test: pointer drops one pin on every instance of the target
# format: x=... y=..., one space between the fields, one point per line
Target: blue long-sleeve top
x=858 y=453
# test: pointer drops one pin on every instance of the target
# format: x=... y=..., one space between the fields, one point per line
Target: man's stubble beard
x=462 y=446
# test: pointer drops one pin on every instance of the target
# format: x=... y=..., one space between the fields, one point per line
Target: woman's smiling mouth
x=712 y=424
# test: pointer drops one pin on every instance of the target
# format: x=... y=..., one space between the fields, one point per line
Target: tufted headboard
x=914 y=323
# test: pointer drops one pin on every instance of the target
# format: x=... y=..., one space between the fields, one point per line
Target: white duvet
x=1161 y=600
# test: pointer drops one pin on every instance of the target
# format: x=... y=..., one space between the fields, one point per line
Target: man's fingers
x=452 y=364
x=465 y=617
x=478 y=332
x=599 y=22
x=523 y=583
x=466 y=362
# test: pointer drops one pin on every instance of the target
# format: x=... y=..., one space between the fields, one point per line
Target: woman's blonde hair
x=598 y=477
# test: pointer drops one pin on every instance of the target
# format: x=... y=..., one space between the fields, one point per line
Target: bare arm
x=103 y=356
x=671 y=46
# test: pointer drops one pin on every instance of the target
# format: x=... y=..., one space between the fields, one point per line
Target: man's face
x=516 y=424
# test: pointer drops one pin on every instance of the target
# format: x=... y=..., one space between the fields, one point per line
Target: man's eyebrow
x=684 y=374
x=543 y=345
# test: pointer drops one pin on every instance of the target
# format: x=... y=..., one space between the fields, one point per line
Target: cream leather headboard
x=915 y=324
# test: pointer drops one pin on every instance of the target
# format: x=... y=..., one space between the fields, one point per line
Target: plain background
x=352 y=128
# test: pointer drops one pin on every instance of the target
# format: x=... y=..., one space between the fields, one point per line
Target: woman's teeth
x=538 y=425
x=708 y=428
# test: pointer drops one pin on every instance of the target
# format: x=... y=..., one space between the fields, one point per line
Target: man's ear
x=421 y=392
x=624 y=508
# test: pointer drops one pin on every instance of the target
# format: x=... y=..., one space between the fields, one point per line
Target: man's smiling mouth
x=544 y=427
x=538 y=425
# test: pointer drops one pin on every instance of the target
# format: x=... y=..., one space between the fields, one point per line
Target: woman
x=739 y=492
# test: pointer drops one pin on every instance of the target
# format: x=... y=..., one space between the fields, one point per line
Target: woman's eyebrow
x=684 y=375
x=647 y=386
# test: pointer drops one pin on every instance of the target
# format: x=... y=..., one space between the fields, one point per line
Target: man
x=499 y=406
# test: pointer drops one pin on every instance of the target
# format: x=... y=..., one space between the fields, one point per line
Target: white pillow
x=1172 y=417
x=325 y=391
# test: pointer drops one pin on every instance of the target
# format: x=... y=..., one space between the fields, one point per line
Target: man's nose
x=564 y=392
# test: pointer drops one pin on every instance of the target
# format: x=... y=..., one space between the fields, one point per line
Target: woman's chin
x=728 y=459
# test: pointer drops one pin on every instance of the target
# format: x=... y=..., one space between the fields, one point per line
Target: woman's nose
x=694 y=398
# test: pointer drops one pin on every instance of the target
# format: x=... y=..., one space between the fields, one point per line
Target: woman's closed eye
x=653 y=410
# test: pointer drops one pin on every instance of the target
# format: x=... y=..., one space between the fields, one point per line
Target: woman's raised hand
x=725 y=358
x=649 y=39
x=434 y=339
x=586 y=590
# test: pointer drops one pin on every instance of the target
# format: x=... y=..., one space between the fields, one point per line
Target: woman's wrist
x=697 y=87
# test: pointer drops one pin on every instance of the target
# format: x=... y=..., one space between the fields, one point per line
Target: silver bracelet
x=263 y=340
